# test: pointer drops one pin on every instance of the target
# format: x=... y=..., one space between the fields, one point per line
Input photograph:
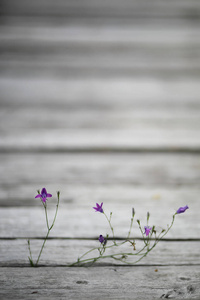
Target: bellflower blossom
x=43 y=195
x=182 y=209
x=99 y=207
x=102 y=240
x=147 y=230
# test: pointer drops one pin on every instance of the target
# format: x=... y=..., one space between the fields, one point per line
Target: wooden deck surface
x=101 y=101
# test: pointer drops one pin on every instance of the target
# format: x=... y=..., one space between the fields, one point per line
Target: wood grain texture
x=76 y=218
x=101 y=283
x=77 y=52
x=125 y=170
x=159 y=184
x=62 y=252
x=83 y=222
x=100 y=100
x=86 y=8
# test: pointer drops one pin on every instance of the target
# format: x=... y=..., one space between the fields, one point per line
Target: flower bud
x=133 y=212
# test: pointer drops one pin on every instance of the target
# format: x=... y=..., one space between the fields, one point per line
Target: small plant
x=43 y=196
x=150 y=238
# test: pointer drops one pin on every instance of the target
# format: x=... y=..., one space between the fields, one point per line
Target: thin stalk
x=42 y=248
x=30 y=257
x=142 y=253
x=47 y=221
x=48 y=231
x=112 y=229
x=131 y=225
x=93 y=259
x=58 y=195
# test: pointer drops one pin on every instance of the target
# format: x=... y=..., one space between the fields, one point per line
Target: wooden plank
x=112 y=117
x=62 y=70
x=99 y=93
x=99 y=35
x=57 y=252
x=101 y=140
x=108 y=8
x=159 y=184
x=102 y=130
x=77 y=219
x=116 y=66
x=88 y=49
x=77 y=62
x=80 y=47
x=157 y=170
x=101 y=283
x=129 y=171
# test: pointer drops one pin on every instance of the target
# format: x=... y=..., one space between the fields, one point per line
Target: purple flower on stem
x=147 y=230
x=102 y=240
x=99 y=207
x=43 y=195
x=182 y=209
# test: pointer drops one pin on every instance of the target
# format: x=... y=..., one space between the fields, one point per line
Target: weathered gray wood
x=159 y=184
x=98 y=48
x=78 y=219
x=63 y=140
x=103 y=122
x=107 y=75
x=101 y=93
x=29 y=116
x=64 y=252
x=88 y=56
x=101 y=283
x=93 y=63
x=109 y=8
x=129 y=171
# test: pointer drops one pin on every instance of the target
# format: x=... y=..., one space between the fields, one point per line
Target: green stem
x=144 y=238
x=115 y=256
x=58 y=195
x=131 y=225
x=112 y=229
x=30 y=257
x=42 y=248
x=158 y=239
x=47 y=221
x=94 y=259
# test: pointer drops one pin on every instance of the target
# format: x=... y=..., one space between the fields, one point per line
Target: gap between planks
x=95 y=238
x=103 y=150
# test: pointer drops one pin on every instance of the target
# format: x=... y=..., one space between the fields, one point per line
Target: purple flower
x=182 y=209
x=43 y=195
x=147 y=230
x=102 y=240
x=99 y=207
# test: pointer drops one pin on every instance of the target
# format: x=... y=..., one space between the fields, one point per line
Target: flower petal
x=44 y=191
x=49 y=195
x=38 y=196
x=99 y=207
x=182 y=209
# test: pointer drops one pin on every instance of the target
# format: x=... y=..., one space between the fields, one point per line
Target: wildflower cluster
x=150 y=238
x=108 y=246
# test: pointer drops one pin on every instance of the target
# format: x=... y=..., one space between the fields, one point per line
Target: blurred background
x=100 y=99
